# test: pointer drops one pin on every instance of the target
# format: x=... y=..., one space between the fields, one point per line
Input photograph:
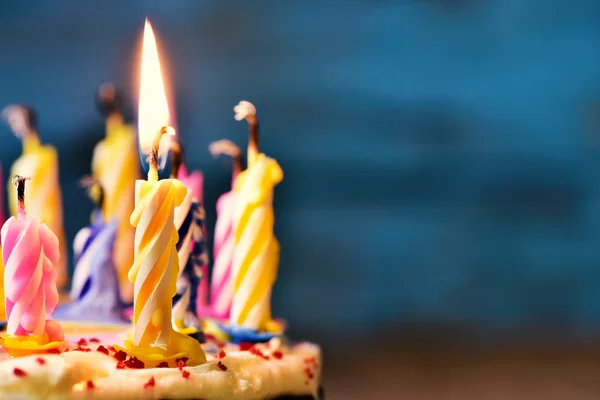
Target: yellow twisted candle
x=43 y=197
x=256 y=254
x=115 y=165
x=156 y=264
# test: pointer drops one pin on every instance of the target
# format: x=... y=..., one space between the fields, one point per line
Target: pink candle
x=221 y=288
x=30 y=250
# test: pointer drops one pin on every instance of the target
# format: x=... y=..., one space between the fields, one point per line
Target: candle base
x=239 y=334
x=180 y=346
x=19 y=346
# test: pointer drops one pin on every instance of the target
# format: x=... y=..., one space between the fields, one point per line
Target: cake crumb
x=245 y=346
x=185 y=374
x=82 y=342
x=102 y=349
x=278 y=355
x=90 y=385
x=19 y=372
x=180 y=365
x=94 y=340
x=121 y=365
x=222 y=366
x=40 y=361
x=222 y=354
x=163 y=364
x=134 y=363
x=54 y=351
x=151 y=383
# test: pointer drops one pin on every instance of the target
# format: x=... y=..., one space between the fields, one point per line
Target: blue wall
x=442 y=158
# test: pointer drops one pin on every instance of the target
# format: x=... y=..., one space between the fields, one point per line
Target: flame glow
x=153 y=111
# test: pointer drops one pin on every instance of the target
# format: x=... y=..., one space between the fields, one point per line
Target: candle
x=115 y=166
x=2 y=218
x=256 y=254
x=39 y=161
x=156 y=264
x=189 y=221
x=221 y=287
x=30 y=252
x=95 y=288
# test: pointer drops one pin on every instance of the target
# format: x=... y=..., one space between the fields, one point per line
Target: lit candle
x=115 y=164
x=192 y=252
x=95 y=289
x=30 y=252
x=40 y=162
x=256 y=254
x=221 y=286
x=156 y=264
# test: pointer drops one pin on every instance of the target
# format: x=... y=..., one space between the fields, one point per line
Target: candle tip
x=21 y=118
x=109 y=99
x=244 y=110
x=224 y=146
x=19 y=182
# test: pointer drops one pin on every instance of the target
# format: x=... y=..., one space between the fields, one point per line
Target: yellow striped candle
x=156 y=263
x=256 y=254
x=115 y=165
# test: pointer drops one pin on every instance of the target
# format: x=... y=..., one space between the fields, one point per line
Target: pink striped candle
x=30 y=250
x=221 y=288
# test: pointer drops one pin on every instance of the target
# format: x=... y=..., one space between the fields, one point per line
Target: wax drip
x=153 y=171
x=19 y=182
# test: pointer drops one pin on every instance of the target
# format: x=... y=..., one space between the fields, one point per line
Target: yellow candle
x=256 y=254
x=156 y=263
x=116 y=166
x=43 y=197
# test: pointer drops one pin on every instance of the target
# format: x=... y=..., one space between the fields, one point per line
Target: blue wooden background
x=442 y=158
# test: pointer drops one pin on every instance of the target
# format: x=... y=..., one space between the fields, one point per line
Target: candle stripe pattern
x=256 y=254
x=221 y=290
x=156 y=265
x=29 y=251
x=193 y=259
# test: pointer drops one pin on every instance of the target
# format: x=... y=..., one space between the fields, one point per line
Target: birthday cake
x=143 y=320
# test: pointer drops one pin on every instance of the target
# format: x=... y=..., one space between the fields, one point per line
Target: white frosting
x=247 y=377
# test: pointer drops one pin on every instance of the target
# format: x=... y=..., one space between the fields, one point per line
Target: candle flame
x=153 y=111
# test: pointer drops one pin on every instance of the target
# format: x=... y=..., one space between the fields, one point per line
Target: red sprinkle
x=90 y=385
x=222 y=366
x=40 y=361
x=256 y=351
x=120 y=365
x=134 y=363
x=183 y=359
x=110 y=348
x=180 y=365
x=120 y=355
x=222 y=354
x=185 y=374
x=151 y=383
x=19 y=372
x=94 y=340
x=244 y=346
x=278 y=355
x=54 y=351
x=83 y=349
x=82 y=342
x=163 y=364
x=102 y=349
